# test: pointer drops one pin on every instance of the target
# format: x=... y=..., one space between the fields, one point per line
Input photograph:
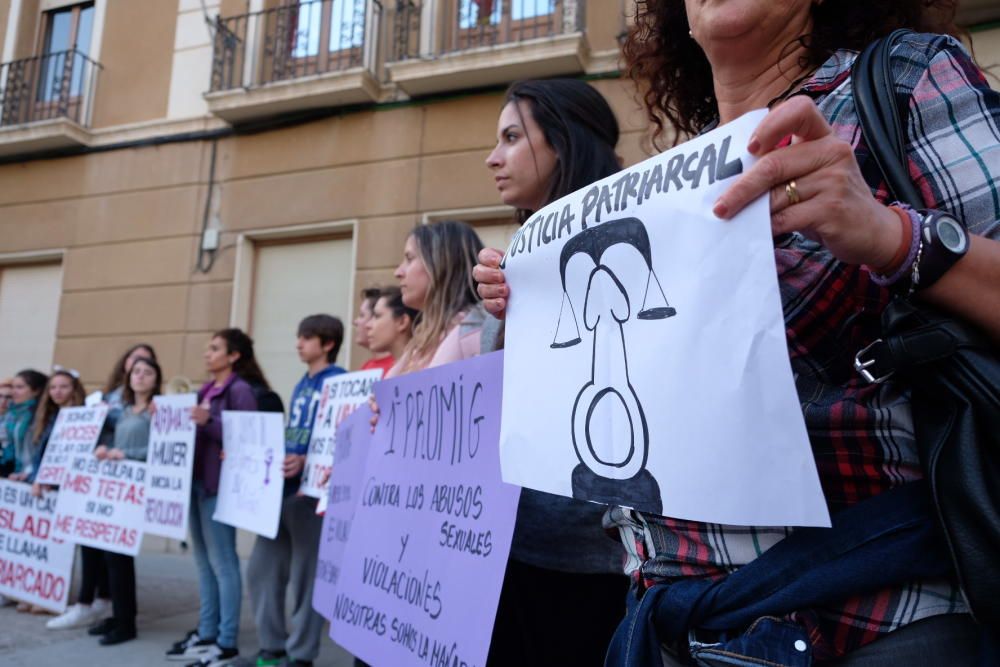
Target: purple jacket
x=235 y=394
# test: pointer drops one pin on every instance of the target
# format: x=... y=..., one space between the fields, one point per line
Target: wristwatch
x=943 y=241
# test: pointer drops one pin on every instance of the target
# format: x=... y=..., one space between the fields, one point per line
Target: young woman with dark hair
x=26 y=388
x=229 y=359
x=115 y=385
x=435 y=278
x=390 y=328
x=131 y=441
x=564 y=574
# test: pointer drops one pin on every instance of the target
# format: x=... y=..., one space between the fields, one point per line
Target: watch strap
x=935 y=258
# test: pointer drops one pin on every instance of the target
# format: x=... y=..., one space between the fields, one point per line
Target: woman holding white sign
x=63 y=389
x=842 y=248
x=131 y=441
x=564 y=573
x=230 y=360
x=93 y=598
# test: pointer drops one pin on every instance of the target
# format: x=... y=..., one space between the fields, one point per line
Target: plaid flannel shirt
x=861 y=435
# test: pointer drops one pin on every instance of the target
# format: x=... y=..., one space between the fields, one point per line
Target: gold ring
x=793 y=193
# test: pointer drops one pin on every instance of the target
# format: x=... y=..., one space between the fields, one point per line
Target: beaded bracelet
x=903 y=270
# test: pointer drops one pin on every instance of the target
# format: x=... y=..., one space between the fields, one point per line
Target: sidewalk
x=168 y=608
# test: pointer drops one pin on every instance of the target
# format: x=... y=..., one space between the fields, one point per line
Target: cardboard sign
x=74 y=434
x=168 y=465
x=346 y=481
x=251 y=481
x=339 y=397
x=421 y=573
x=102 y=504
x=646 y=358
x=35 y=566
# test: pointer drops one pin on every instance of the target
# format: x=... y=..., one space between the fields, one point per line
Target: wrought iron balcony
x=471 y=24
x=52 y=86
x=292 y=41
x=296 y=56
x=483 y=42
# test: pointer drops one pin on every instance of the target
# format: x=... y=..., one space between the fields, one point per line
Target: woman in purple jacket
x=229 y=359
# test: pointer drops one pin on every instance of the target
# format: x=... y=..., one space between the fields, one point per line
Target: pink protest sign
x=346 y=479
x=424 y=563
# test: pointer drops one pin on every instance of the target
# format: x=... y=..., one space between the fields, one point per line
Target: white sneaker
x=77 y=616
x=102 y=608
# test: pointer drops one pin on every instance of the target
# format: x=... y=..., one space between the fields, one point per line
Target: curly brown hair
x=674 y=77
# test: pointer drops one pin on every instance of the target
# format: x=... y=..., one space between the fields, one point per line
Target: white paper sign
x=339 y=397
x=74 y=434
x=251 y=481
x=35 y=566
x=169 y=463
x=102 y=504
x=646 y=362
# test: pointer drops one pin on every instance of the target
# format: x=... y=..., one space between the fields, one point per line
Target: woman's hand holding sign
x=815 y=187
x=492 y=283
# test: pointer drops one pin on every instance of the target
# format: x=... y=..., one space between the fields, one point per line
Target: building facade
x=172 y=167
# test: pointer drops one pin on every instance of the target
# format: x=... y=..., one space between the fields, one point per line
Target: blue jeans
x=219 y=580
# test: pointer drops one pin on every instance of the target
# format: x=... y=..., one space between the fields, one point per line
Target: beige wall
x=4 y=17
x=986 y=47
x=137 y=55
x=130 y=219
x=27 y=29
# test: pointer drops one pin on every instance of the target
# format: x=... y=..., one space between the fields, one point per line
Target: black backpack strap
x=881 y=125
x=881 y=122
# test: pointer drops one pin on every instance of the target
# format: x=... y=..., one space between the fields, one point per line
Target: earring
x=691 y=33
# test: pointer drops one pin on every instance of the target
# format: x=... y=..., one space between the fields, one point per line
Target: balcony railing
x=471 y=24
x=293 y=41
x=50 y=86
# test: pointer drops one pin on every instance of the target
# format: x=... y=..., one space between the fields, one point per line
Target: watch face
x=950 y=234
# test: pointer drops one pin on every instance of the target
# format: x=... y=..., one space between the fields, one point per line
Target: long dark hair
x=117 y=377
x=47 y=408
x=675 y=78
x=245 y=366
x=34 y=379
x=579 y=126
x=128 y=394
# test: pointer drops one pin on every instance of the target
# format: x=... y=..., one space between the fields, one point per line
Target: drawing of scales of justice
x=606 y=474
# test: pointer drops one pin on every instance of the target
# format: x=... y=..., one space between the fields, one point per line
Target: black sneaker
x=222 y=658
x=118 y=635
x=102 y=628
x=193 y=648
x=298 y=663
x=190 y=638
